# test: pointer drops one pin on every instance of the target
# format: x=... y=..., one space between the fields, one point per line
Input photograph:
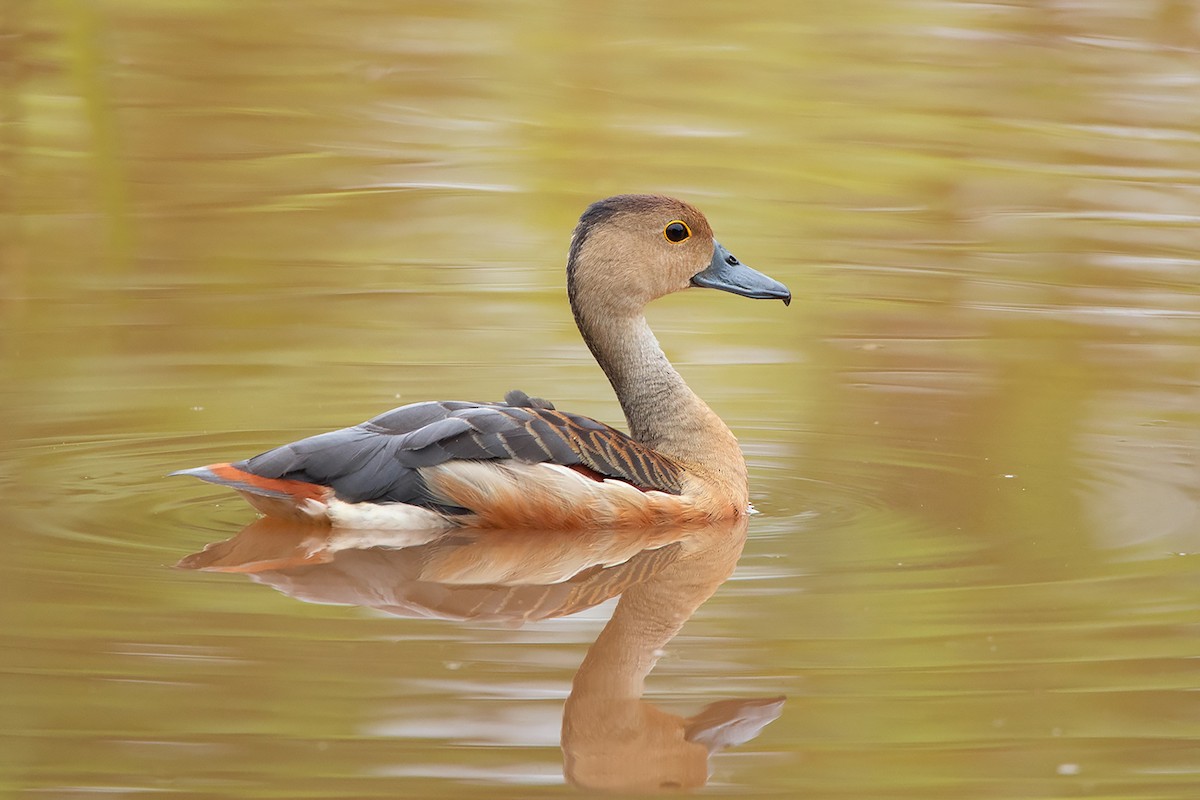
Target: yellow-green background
x=973 y=435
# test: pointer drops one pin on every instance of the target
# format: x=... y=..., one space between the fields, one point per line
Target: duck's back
x=417 y=454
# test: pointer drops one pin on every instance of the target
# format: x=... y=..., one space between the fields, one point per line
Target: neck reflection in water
x=611 y=738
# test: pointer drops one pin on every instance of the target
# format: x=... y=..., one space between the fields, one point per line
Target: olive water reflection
x=611 y=738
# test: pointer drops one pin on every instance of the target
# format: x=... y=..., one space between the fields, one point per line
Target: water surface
x=972 y=437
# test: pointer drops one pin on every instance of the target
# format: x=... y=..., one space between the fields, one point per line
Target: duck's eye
x=677 y=231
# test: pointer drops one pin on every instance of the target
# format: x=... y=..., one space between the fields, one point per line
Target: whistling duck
x=522 y=463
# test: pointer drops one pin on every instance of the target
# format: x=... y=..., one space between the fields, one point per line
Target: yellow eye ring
x=676 y=231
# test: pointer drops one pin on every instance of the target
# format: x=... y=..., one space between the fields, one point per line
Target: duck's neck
x=662 y=411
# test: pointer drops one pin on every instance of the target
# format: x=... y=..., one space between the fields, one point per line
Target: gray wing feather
x=378 y=460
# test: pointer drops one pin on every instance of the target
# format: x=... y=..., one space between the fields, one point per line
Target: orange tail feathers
x=275 y=497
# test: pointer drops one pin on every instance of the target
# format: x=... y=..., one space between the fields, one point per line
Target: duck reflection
x=611 y=738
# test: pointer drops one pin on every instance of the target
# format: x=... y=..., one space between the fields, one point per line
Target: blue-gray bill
x=728 y=274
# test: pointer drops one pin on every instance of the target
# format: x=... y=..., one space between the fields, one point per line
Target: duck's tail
x=275 y=497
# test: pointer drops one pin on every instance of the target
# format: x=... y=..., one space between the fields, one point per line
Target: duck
x=522 y=463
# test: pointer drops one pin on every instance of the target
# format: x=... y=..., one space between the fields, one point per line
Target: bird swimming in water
x=522 y=463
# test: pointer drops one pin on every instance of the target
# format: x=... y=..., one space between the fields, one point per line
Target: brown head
x=634 y=248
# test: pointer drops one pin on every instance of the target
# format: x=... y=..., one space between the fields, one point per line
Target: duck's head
x=634 y=248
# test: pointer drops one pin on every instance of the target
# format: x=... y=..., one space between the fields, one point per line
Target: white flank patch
x=384 y=516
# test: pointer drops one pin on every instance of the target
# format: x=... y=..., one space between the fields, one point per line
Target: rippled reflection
x=611 y=738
